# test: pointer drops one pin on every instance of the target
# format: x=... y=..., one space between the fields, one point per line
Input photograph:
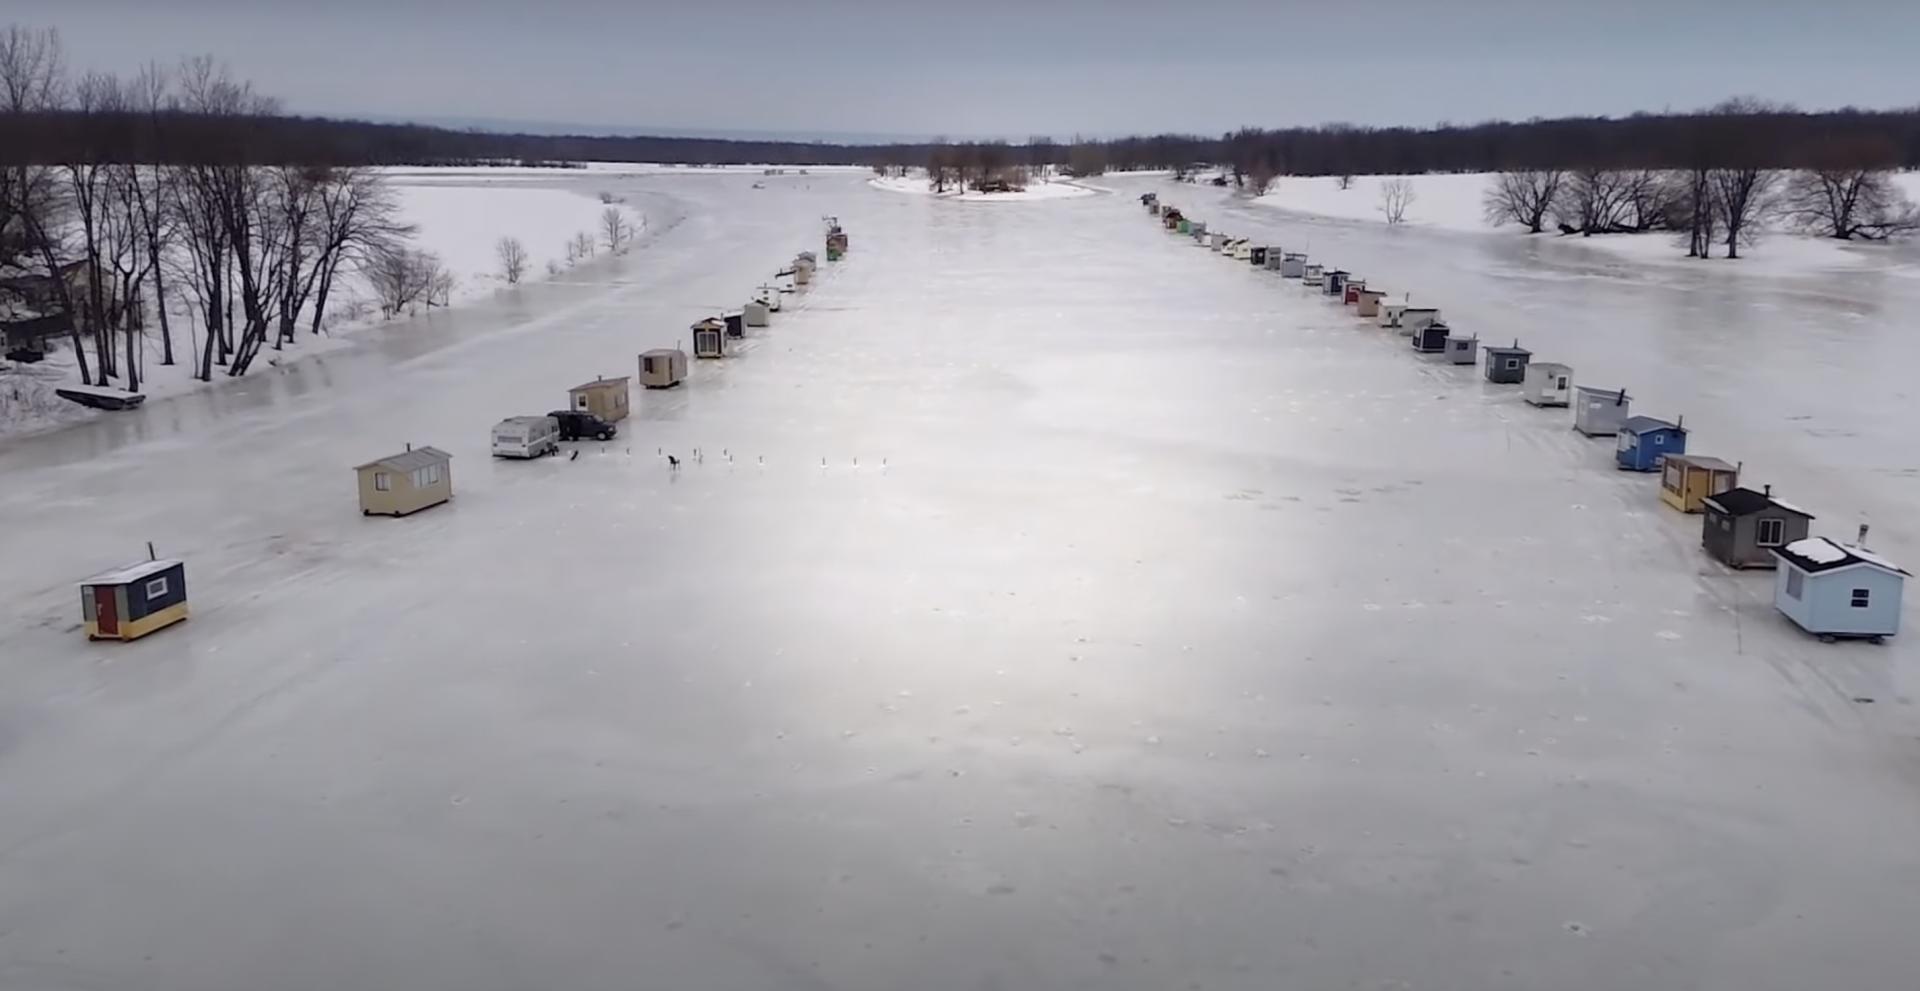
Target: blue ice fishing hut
x=1645 y=440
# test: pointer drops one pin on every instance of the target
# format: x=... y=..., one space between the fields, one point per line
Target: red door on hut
x=106 y=614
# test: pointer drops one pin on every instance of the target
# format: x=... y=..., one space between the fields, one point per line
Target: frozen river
x=1052 y=604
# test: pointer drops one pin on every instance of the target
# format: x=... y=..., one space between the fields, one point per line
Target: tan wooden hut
x=415 y=479
x=1368 y=305
x=603 y=397
x=663 y=368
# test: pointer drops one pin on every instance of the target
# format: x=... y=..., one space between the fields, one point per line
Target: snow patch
x=1819 y=550
x=1040 y=189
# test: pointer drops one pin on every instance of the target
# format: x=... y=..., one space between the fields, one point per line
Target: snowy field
x=1455 y=203
x=1040 y=189
x=1053 y=604
x=460 y=216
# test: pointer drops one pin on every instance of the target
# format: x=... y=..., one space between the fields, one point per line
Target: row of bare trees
x=246 y=248
x=1852 y=197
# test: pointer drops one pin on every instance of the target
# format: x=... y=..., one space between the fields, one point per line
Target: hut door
x=106 y=614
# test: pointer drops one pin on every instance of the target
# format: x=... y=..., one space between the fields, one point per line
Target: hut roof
x=1645 y=425
x=597 y=383
x=1743 y=501
x=419 y=457
x=661 y=353
x=1702 y=461
x=1504 y=349
x=133 y=572
x=1818 y=554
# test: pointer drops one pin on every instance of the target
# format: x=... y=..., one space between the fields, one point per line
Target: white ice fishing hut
x=1547 y=383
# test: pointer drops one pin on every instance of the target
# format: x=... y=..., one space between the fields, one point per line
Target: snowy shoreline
x=1454 y=202
x=460 y=218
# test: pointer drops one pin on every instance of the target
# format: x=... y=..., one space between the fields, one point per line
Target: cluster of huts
x=130 y=602
x=1829 y=588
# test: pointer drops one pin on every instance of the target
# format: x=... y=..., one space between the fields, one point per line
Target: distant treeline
x=1745 y=131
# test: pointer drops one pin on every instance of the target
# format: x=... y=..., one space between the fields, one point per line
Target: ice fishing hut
x=1197 y=228
x=1335 y=283
x=1431 y=338
x=1391 y=314
x=710 y=338
x=1645 y=441
x=1687 y=481
x=1462 y=350
x=1742 y=527
x=1274 y=258
x=1599 y=412
x=405 y=483
x=757 y=313
x=1835 y=590
x=1293 y=265
x=1547 y=383
x=603 y=397
x=1507 y=365
x=1351 y=294
x=663 y=368
x=129 y=603
x=1312 y=275
x=1412 y=318
x=1150 y=200
x=836 y=246
x=1258 y=256
x=736 y=323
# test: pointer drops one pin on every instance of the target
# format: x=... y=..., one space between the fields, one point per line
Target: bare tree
x=580 y=248
x=1696 y=199
x=1742 y=195
x=513 y=259
x=1396 y=195
x=615 y=230
x=32 y=78
x=403 y=278
x=1593 y=201
x=358 y=220
x=1646 y=199
x=1344 y=181
x=1523 y=197
x=1848 y=193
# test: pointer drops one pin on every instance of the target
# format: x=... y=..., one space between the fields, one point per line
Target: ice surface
x=1131 y=654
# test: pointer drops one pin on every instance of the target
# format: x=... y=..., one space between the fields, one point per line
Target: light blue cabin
x=1835 y=590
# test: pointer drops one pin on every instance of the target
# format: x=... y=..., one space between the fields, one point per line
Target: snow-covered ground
x=1047 y=188
x=460 y=216
x=1455 y=202
x=1053 y=604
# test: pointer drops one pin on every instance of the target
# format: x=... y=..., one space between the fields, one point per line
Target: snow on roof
x=1819 y=550
x=596 y=383
x=1644 y=424
x=132 y=572
x=1871 y=558
x=1818 y=555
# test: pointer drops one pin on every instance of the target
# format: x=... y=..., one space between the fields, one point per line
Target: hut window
x=1671 y=478
x=1795 y=581
x=423 y=477
x=1513 y=363
x=1659 y=439
x=382 y=482
x=1860 y=598
x=1769 y=532
x=1561 y=382
x=157 y=587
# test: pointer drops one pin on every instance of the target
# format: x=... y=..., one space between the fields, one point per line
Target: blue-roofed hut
x=1645 y=440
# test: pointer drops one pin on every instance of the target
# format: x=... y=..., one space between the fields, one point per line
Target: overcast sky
x=1005 y=68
